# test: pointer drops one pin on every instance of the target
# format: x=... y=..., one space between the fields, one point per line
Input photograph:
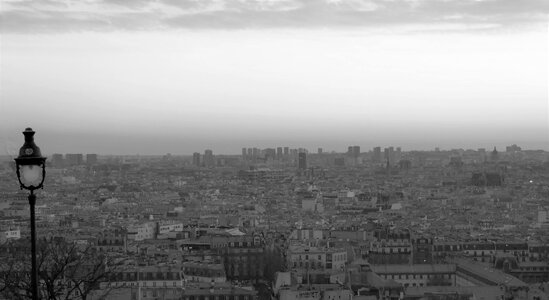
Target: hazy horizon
x=53 y=143
x=152 y=77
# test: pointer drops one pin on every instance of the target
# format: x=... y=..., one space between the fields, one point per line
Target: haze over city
x=274 y=149
x=153 y=77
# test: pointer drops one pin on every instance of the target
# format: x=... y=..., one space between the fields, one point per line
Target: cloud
x=101 y=15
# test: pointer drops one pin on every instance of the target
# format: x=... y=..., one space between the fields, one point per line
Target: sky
x=181 y=76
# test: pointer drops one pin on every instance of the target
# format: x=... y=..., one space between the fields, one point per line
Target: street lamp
x=31 y=171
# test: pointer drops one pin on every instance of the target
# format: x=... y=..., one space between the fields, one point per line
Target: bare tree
x=66 y=271
x=15 y=272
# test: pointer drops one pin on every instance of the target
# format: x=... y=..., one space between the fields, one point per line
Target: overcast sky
x=178 y=76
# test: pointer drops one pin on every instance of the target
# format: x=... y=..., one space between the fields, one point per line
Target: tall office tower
x=91 y=159
x=319 y=150
x=278 y=152
x=387 y=154
x=302 y=150
x=392 y=155
x=208 y=158
x=244 y=153
x=255 y=152
x=250 y=153
x=196 y=159
x=286 y=151
x=350 y=150
x=293 y=153
x=57 y=160
x=398 y=154
x=74 y=159
x=356 y=151
x=302 y=161
x=377 y=154
x=270 y=153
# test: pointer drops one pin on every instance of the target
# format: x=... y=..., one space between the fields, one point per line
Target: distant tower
x=319 y=150
x=356 y=151
x=57 y=160
x=389 y=154
x=398 y=154
x=208 y=158
x=494 y=155
x=74 y=159
x=286 y=151
x=91 y=159
x=302 y=161
x=244 y=153
x=255 y=152
x=196 y=159
x=270 y=153
x=279 y=152
x=377 y=154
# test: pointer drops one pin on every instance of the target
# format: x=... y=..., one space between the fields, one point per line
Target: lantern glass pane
x=31 y=175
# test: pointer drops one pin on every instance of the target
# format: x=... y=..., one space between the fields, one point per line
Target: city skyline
x=153 y=77
x=12 y=149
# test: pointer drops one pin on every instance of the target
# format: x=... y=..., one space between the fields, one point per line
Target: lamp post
x=31 y=171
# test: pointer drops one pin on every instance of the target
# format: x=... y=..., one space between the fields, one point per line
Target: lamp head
x=30 y=164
